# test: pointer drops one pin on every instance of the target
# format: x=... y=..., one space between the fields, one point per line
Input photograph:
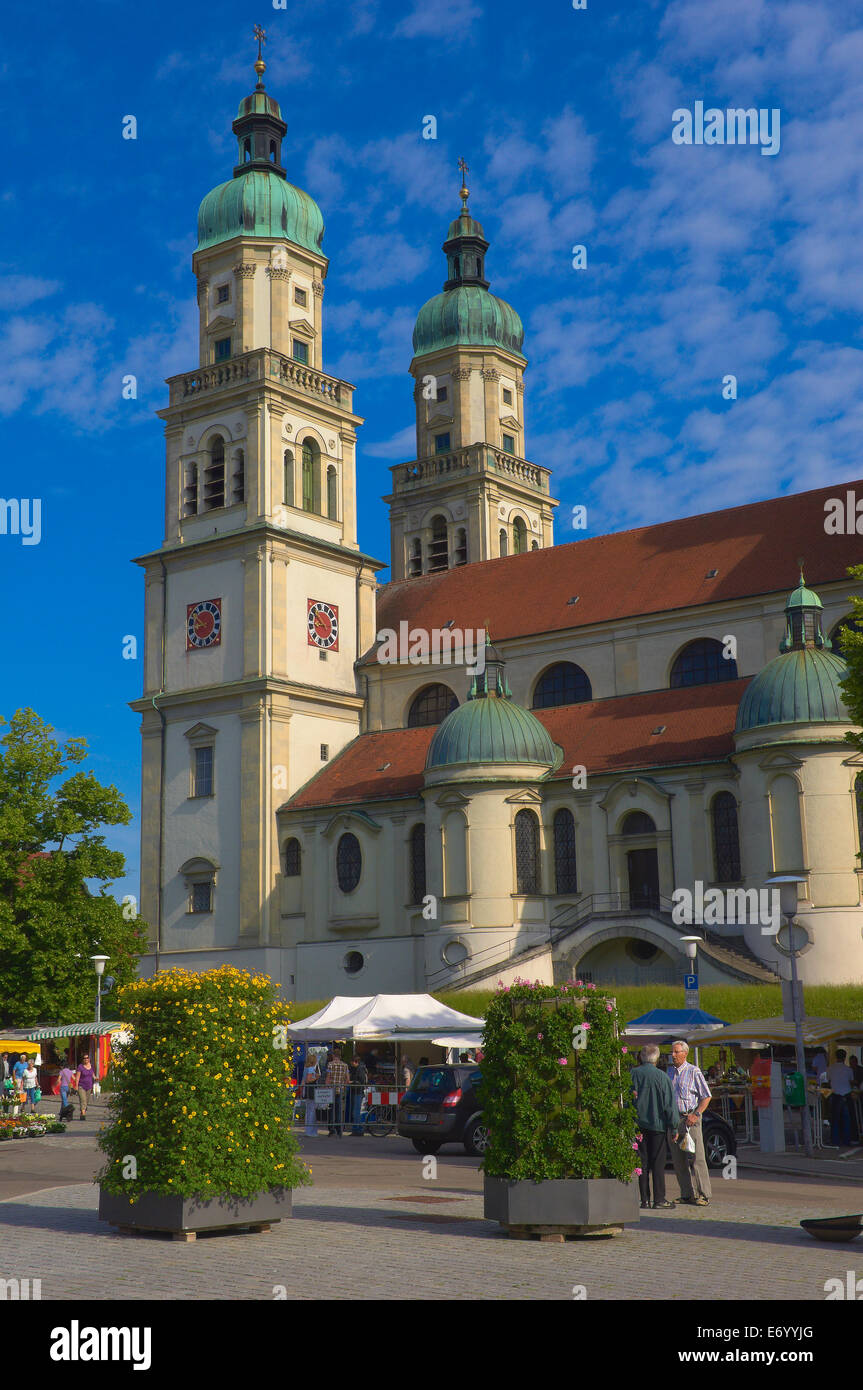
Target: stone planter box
x=562 y=1206
x=183 y=1216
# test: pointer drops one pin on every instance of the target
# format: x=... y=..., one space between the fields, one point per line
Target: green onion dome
x=258 y=200
x=491 y=728
x=802 y=684
x=466 y=313
x=260 y=204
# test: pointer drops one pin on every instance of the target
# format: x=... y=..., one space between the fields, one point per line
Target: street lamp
x=797 y=937
x=99 y=963
x=693 y=995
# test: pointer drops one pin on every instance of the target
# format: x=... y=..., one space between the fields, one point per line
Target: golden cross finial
x=464 y=191
x=260 y=65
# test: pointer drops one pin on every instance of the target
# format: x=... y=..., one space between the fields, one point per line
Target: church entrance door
x=643 y=869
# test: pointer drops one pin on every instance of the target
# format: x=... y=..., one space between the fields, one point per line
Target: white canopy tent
x=395 y=1017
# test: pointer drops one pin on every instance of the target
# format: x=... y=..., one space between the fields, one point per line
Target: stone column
x=245 y=304
x=203 y=320
x=280 y=298
x=318 y=344
x=491 y=405
x=461 y=408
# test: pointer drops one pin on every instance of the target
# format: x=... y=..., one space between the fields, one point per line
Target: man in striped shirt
x=692 y=1094
x=339 y=1078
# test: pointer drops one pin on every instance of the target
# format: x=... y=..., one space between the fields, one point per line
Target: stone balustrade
x=473 y=458
x=253 y=366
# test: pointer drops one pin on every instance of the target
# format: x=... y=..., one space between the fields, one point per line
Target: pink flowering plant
x=555 y=1111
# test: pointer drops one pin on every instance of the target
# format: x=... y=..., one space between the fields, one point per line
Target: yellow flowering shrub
x=214 y=1039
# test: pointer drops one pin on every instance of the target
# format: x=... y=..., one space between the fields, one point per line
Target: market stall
x=66 y=1044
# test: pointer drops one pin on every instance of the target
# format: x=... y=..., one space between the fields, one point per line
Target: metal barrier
x=352 y=1109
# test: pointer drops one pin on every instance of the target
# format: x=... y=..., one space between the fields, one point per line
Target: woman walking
x=30 y=1082
x=84 y=1081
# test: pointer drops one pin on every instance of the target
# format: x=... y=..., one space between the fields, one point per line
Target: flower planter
x=561 y=1206
x=184 y=1216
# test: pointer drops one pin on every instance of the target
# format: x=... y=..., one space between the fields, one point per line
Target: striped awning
x=74 y=1030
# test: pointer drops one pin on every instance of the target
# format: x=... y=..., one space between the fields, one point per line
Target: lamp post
x=692 y=992
x=789 y=887
x=99 y=963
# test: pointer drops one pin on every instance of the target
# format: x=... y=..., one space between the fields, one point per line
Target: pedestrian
x=310 y=1081
x=66 y=1080
x=856 y=1070
x=338 y=1077
x=359 y=1080
x=657 y=1114
x=840 y=1079
x=819 y=1064
x=84 y=1078
x=692 y=1097
x=18 y=1070
x=407 y=1074
x=30 y=1082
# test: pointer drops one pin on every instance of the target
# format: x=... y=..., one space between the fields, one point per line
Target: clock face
x=323 y=625
x=203 y=624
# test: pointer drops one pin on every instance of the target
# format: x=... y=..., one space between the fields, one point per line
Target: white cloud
x=401 y=446
x=448 y=20
x=19 y=291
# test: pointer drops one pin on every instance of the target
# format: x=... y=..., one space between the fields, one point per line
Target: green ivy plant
x=555 y=1107
x=201 y=1100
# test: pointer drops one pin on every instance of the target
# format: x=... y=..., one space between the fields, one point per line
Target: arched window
x=526 y=852
x=332 y=494
x=417 y=865
x=247 y=150
x=272 y=151
x=292 y=858
x=238 y=479
x=461 y=546
x=836 y=634
x=288 y=479
x=349 y=863
x=519 y=537
x=638 y=823
x=415 y=562
x=562 y=684
x=701 y=663
x=726 y=840
x=214 y=476
x=310 y=459
x=439 y=545
x=565 y=876
x=430 y=706
x=190 y=491
x=534 y=545
x=501 y=536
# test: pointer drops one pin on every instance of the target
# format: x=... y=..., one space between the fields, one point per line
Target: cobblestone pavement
x=345 y=1243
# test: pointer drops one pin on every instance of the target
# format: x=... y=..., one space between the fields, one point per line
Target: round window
x=454 y=952
x=354 y=962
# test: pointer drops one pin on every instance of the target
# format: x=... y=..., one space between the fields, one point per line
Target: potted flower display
x=562 y=1149
x=200 y=1137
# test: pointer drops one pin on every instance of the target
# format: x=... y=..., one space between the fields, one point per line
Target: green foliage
x=201 y=1099
x=50 y=848
x=731 y=1002
x=851 y=649
x=555 y=1112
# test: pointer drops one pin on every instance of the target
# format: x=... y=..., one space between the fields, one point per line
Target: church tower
x=259 y=601
x=470 y=494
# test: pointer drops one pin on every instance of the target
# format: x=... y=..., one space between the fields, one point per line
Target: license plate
x=416 y=1119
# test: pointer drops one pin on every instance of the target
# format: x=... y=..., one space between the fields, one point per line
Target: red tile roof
x=755 y=548
x=604 y=735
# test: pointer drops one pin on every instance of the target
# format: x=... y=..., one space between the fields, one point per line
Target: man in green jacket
x=657 y=1114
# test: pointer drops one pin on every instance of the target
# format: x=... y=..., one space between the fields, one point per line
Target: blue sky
x=703 y=261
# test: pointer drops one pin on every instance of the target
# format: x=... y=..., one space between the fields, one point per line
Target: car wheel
x=426 y=1146
x=716 y=1148
x=476 y=1138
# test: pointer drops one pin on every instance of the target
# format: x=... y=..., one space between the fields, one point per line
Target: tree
x=851 y=646
x=50 y=849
